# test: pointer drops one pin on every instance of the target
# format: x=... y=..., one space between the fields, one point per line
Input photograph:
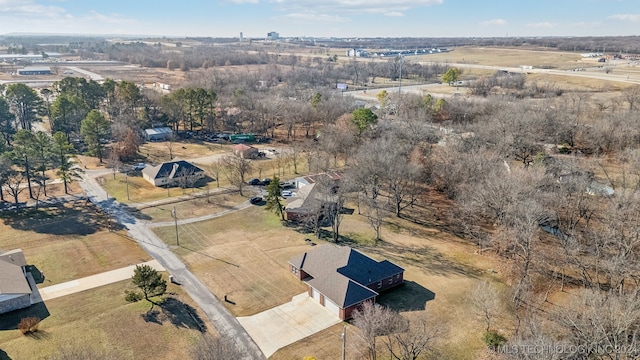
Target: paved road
x=222 y=320
x=92 y=75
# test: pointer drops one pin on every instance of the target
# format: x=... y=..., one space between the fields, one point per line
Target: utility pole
x=175 y=218
x=126 y=181
x=401 y=60
x=344 y=343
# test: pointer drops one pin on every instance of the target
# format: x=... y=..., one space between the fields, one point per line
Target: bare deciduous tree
x=236 y=169
x=417 y=339
x=374 y=320
x=486 y=301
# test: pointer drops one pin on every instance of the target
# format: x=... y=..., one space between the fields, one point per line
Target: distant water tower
x=241 y=38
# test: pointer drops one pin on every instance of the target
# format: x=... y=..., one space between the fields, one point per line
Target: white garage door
x=315 y=294
x=332 y=306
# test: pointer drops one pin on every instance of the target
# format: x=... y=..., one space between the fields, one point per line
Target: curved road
x=223 y=321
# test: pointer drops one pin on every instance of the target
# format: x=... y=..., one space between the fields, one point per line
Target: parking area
x=285 y=324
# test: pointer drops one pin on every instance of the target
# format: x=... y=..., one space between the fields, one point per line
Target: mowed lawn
x=99 y=323
x=68 y=242
x=244 y=256
x=215 y=203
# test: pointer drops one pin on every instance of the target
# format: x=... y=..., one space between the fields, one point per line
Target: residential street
x=223 y=321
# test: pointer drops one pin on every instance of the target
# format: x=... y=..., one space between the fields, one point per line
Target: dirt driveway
x=285 y=324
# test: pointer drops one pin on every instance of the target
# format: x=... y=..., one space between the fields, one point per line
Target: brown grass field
x=103 y=324
x=507 y=57
x=68 y=242
x=244 y=256
x=195 y=207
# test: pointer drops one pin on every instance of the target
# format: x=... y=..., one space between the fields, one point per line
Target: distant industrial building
x=241 y=37
x=32 y=70
x=273 y=35
x=15 y=57
x=358 y=53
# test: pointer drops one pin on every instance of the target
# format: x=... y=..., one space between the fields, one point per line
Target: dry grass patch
x=506 y=57
x=325 y=344
x=158 y=152
x=576 y=83
x=243 y=255
x=215 y=203
x=68 y=242
x=103 y=322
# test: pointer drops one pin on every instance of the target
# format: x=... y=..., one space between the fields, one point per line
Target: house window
x=390 y=280
x=380 y=284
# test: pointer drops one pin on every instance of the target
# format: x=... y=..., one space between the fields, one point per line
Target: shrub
x=132 y=296
x=564 y=149
x=29 y=325
x=492 y=339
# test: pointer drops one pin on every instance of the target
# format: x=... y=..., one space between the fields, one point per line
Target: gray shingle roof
x=342 y=274
x=12 y=279
x=171 y=169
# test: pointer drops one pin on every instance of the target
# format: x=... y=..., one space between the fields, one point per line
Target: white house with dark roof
x=15 y=292
x=341 y=278
x=175 y=172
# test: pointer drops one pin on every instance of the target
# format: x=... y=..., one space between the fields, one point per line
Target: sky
x=323 y=18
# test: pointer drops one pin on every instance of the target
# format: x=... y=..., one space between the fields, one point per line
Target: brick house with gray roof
x=341 y=278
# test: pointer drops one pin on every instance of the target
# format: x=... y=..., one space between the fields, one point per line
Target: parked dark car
x=256 y=200
x=266 y=181
x=254 y=182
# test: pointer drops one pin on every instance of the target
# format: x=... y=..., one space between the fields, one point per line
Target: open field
x=68 y=242
x=194 y=208
x=158 y=152
x=99 y=323
x=244 y=256
x=234 y=254
x=505 y=57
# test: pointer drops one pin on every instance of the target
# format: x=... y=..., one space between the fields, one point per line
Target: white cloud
x=625 y=17
x=28 y=8
x=494 y=22
x=584 y=24
x=541 y=25
x=315 y=18
x=394 y=14
x=354 y=6
x=30 y=16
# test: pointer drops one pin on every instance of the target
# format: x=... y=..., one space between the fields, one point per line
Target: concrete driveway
x=285 y=324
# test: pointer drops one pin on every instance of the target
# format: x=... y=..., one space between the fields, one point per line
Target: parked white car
x=139 y=166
